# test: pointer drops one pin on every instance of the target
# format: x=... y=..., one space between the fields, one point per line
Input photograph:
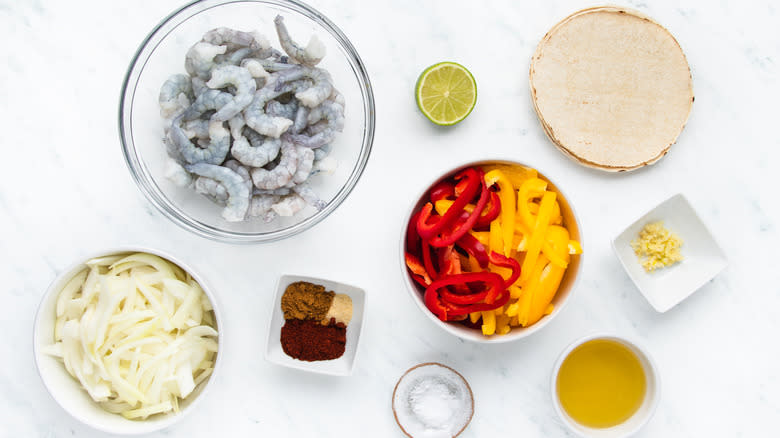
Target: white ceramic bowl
x=702 y=260
x=565 y=289
x=344 y=365
x=640 y=417
x=67 y=391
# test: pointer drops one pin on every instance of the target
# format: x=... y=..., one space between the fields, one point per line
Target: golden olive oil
x=601 y=383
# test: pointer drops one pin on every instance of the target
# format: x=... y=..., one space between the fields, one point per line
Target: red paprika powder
x=309 y=340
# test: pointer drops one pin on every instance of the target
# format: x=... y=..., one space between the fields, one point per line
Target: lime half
x=446 y=93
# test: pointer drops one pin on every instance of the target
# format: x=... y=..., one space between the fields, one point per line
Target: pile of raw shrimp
x=248 y=125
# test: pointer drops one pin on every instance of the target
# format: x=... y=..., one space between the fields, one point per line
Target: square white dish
x=344 y=365
x=702 y=260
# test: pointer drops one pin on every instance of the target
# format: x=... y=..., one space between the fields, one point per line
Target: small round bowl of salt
x=432 y=400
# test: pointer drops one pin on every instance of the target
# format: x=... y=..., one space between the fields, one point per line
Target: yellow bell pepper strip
x=506 y=193
x=557 y=246
x=574 y=247
x=529 y=290
x=548 y=286
x=502 y=324
x=495 y=242
x=537 y=235
x=482 y=236
x=488 y=323
x=516 y=174
x=513 y=309
x=549 y=309
x=474 y=317
x=521 y=244
x=532 y=188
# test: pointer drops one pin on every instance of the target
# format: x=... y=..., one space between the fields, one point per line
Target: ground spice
x=303 y=300
x=311 y=341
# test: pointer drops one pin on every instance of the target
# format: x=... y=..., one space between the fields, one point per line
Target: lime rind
x=458 y=93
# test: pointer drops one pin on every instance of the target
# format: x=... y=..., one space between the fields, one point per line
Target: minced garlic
x=658 y=246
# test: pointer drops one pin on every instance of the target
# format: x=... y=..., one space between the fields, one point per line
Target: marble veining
x=65 y=192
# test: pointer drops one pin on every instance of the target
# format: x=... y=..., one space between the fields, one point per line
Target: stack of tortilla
x=611 y=87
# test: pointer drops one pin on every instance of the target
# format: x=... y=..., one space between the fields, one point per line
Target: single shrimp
x=260 y=206
x=289 y=205
x=280 y=175
x=255 y=150
x=309 y=55
x=257 y=119
x=175 y=95
x=322 y=133
x=215 y=151
x=305 y=164
x=235 y=39
x=238 y=194
x=200 y=59
x=242 y=171
x=307 y=193
x=211 y=189
x=287 y=110
x=245 y=89
x=301 y=120
x=311 y=96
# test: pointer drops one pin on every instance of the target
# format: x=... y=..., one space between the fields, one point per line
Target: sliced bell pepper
x=488 y=323
x=482 y=236
x=472 y=181
x=475 y=248
x=516 y=173
x=412 y=237
x=428 y=261
x=537 y=235
x=416 y=267
x=530 y=189
x=548 y=286
x=441 y=307
x=529 y=290
x=508 y=196
x=506 y=262
x=491 y=212
x=443 y=190
x=463 y=226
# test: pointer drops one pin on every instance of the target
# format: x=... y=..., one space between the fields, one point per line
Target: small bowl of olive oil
x=605 y=386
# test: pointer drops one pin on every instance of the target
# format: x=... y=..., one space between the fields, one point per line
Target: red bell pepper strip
x=428 y=261
x=454 y=298
x=473 y=181
x=444 y=309
x=474 y=247
x=501 y=301
x=462 y=228
x=443 y=190
x=491 y=211
x=414 y=265
x=412 y=238
x=506 y=262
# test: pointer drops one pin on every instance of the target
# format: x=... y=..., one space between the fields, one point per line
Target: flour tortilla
x=611 y=87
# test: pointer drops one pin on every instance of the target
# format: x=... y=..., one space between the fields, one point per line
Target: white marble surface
x=65 y=191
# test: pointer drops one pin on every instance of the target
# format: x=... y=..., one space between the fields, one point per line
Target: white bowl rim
x=628 y=341
x=151 y=426
x=478 y=337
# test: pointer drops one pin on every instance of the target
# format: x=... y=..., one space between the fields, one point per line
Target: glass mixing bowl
x=162 y=54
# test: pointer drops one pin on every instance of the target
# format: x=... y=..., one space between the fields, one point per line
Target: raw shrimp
x=198 y=86
x=238 y=194
x=286 y=110
x=176 y=173
x=234 y=58
x=257 y=119
x=289 y=205
x=207 y=100
x=235 y=39
x=307 y=193
x=260 y=206
x=200 y=59
x=280 y=175
x=305 y=163
x=309 y=55
x=301 y=120
x=255 y=68
x=245 y=88
x=212 y=189
x=254 y=150
x=322 y=133
x=215 y=151
x=196 y=128
x=311 y=96
x=175 y=95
